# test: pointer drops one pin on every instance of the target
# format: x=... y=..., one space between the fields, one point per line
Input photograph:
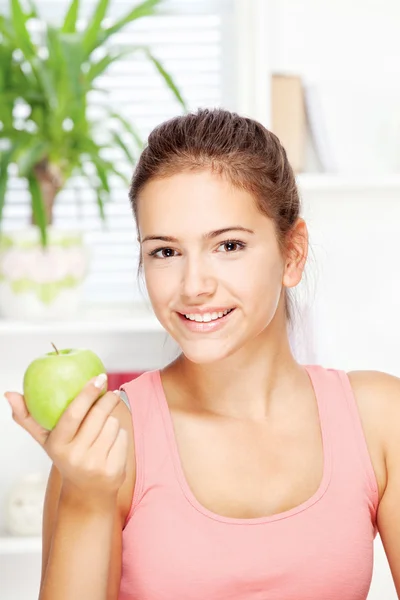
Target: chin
x=203 y=354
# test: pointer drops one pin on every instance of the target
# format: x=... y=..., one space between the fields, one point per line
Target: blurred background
x=81 y=86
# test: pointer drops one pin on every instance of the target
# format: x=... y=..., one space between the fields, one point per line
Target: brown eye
x=167 y=252
x=162 y=253
x=231 y=246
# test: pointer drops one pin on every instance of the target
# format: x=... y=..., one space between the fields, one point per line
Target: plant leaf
x=92 y=32
x=120 y=142
x=69 y=25
x=45 y=78
x=18 y=18
x=72 y=51
x=33 y=10
x=124 y=178
x=55 y=58
x=5 y=160
x=7 y=29
x=100 y=203
x=31 y=156
x=38 y=207
x=129 y=128
x=102 y=172
x=146 y=8
x=97 y=190
x=166 y=76
x=99 y=67
x=25 y=44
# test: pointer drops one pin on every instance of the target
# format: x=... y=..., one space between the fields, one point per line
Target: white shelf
x=20 y=545
x=96 y=319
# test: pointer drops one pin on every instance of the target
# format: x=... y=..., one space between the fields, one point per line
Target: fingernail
x=100 y=381
x=117 y=392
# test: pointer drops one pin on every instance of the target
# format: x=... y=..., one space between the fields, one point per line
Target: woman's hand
x=88 y=446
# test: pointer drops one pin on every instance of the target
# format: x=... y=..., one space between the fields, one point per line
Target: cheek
x=161 y=282
x=260 y=290
x=261 y=275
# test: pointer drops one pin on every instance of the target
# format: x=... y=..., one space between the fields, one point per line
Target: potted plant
x=47 y=73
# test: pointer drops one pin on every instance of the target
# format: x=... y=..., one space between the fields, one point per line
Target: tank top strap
x=152 y=455
x=351 y=461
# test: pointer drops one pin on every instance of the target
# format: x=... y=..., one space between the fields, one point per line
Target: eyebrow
x=206 y=236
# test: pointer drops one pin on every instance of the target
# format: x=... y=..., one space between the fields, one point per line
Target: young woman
x=234 y=472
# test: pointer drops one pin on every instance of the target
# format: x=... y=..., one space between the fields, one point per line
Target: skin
x=241 y=405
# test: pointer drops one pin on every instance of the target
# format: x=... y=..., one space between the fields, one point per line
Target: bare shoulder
x=379 y=378
x=378 y=398
x=378 y=392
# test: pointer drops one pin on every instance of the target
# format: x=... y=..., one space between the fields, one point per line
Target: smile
x=207 y=317
x=206 y=322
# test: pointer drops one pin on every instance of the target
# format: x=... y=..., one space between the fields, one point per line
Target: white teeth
x=206 y=317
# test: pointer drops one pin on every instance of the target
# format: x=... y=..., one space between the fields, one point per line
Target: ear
x=296 y=254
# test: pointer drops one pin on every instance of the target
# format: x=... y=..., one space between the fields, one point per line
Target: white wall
x=354 y=267
x=351 y=51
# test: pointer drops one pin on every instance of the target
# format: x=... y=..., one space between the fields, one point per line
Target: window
x=190 y=39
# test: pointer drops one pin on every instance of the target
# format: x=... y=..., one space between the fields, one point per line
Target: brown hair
x=239 y=148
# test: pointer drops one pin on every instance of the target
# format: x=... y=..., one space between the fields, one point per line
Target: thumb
x=21 y=415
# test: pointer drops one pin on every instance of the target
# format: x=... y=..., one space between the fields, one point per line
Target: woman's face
x=206 y=250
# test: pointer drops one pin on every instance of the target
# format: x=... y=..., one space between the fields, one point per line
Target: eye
x=165 y=253
x=232 y=246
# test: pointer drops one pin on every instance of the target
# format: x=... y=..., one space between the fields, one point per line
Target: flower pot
x=41 y=283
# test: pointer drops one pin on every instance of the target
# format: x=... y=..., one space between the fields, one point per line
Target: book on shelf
x=298 y=121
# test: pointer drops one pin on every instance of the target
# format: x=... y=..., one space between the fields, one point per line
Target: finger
x=71 y=419
x=22 y=417
x=95 y=419
x=118 y=455
x=106 y=438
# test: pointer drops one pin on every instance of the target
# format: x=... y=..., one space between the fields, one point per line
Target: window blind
x=192 y=40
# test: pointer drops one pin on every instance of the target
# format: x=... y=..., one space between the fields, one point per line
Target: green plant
x=50 y=71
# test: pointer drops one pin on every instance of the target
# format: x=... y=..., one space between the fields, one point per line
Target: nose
x=197 y=279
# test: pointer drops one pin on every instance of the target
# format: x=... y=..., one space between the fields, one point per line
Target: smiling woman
x=234 y=471
x=200 y=167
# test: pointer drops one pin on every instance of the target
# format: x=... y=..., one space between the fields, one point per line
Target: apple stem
x=54 y=348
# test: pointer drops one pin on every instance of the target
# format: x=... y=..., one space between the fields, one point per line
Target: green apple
x=53 y=380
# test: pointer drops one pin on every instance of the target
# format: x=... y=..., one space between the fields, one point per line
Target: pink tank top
x=176 y=549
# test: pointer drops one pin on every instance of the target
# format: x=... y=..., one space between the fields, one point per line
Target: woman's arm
x=124 y=499
x=389 y=506
x=84 y=542
x=378 y=396
x=88 y=495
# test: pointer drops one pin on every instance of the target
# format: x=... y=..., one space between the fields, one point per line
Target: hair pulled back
x=239 y=148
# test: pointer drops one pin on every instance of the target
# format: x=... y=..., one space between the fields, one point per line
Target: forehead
x=196 y=200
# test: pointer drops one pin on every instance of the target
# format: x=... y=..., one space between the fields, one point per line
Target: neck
x=247 y=384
